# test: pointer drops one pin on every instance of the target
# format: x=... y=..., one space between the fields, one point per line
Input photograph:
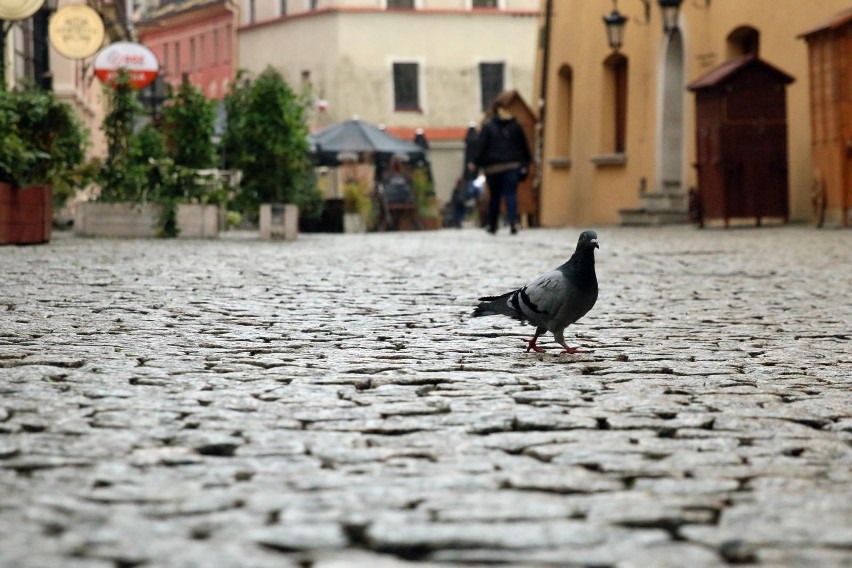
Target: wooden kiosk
x=830 y=70
x=741 y=127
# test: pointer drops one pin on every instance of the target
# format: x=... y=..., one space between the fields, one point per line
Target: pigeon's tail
x=493 y=306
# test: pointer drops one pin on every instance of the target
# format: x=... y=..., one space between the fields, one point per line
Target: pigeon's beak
x=595 y=242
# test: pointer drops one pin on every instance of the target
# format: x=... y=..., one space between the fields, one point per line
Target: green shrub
x=42 y=141
x=266 y=138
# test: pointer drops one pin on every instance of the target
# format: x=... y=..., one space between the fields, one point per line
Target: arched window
x=564 y=111
x=745 y=40
x=614 y=128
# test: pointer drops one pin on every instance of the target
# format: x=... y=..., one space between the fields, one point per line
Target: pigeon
x=554 y=300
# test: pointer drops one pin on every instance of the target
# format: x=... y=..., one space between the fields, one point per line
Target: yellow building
x=618 y=123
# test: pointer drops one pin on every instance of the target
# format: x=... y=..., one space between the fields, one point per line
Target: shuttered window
x=406 y=95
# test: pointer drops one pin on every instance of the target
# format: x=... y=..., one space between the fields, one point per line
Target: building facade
x=407 y=65
x=618 y=125
x=193 y=39
x=29 y=58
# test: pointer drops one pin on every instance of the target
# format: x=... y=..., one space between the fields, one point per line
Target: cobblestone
x=328 y=403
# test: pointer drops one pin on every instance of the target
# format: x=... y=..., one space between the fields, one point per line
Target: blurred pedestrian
x=459 y=200
x=503 y=155
x=397 y=195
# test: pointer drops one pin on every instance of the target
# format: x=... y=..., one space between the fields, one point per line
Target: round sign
x=18 y=9
x=76 y=31
x=139 y=61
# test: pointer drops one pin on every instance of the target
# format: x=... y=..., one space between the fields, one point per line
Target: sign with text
x=76 y=31
x=139 y=61
x=18 y=9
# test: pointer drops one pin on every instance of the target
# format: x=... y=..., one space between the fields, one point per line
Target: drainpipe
x=542 y=111
x=5 y=27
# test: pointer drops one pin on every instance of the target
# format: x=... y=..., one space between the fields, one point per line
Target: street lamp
x=670 y=9
x=153 y=96
x=614 y=22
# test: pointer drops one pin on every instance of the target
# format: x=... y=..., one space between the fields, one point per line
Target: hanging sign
x=76 y=31
x=140 y=62
x=18 y=9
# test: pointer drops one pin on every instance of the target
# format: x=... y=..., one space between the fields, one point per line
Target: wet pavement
x=328 y=403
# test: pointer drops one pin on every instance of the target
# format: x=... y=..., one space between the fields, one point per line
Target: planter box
x=354 y=223
x=197 y=221
x=26 y=214
x=94 y=219
x=430 y=222
x=279 y=221
x=128 y=220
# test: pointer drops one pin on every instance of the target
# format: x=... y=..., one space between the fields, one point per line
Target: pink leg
x=531 y=343
x=561 y=341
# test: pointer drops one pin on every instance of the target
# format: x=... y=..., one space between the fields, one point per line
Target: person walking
x=503 y=155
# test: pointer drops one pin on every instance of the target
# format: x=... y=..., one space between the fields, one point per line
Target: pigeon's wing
x=540 y=300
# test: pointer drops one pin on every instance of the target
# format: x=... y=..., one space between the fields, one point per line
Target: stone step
x=662 y=201
x=653 y=217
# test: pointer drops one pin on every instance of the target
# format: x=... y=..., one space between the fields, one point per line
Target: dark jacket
x=502 y=141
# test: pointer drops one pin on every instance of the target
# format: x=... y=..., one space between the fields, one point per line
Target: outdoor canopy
x=355 y=136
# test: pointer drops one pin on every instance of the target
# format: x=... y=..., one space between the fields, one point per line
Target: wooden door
x=754 y=166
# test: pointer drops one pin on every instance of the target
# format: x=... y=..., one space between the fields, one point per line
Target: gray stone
x=293 y=538
x=329 y=402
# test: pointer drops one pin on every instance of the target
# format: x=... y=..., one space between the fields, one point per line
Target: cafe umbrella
x=355 y=139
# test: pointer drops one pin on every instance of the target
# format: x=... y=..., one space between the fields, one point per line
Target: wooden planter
x=354 y=223
x=128 y=220
x=26 y=214
x=279 y=221
x=196 y=221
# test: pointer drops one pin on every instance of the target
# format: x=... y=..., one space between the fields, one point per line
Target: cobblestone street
x=329 y=403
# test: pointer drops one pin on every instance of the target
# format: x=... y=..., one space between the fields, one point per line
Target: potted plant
x=427 y=203
x=357 y=207
x=266 y=139
x=151 y=183
x=41 y=150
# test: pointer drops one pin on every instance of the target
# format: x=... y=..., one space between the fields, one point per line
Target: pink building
x=195 y=38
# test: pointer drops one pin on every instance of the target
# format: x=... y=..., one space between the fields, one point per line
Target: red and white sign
x=140 y=62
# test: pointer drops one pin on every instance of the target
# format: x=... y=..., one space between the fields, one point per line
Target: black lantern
x=614 y=22
x=670 y=9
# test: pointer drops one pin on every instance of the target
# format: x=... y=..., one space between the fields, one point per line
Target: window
x=564 y=112
x=405 y=87
x=193 y=61
x=484 y=4
x=166 y=58
x=282 y=7
x=744 y=40
x=215 y=53
x=490 y=82
x=615 y=104
x=177 y=58
x=404 y=4
x=252 y=11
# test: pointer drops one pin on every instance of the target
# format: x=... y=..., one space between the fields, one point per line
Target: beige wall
x=349 y=55
x=585 y=193
x=74 y=82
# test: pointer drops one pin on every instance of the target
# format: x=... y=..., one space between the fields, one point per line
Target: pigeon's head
x=588 y=241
